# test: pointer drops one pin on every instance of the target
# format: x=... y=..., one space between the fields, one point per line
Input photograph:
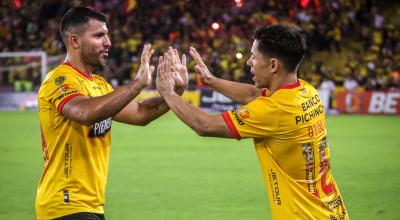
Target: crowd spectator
x=350 y=84
x=328 y=86
x=333 y=26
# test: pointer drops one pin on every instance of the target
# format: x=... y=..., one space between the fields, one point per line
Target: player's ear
x=73 y=40
x=274 y=65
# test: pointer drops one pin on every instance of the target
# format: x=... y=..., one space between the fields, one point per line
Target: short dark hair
x=283 y=43
x=78 y=16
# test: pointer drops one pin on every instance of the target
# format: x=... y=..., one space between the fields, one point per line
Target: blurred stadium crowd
x=349 y=40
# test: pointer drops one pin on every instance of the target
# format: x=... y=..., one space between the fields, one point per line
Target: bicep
x=75 y=108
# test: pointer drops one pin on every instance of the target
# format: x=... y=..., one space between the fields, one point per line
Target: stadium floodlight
x=41 y=54
x=215 y=26
x=239 y=3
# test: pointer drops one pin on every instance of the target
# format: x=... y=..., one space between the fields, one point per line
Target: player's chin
x=102 y=62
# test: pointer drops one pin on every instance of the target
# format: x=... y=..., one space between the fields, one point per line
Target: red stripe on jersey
x=61 y=105
x=291 y=86
x=87 y=76
x=231 y=125
x=265 y=92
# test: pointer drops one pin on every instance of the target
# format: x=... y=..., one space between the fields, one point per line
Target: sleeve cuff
x=231 y=126
x=62 y=103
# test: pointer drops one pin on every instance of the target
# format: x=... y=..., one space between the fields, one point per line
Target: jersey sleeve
x=258 y=119
x=61 y=88
x=108 y=86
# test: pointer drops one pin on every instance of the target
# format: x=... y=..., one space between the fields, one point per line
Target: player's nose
x=249 y=62
x=107 y=41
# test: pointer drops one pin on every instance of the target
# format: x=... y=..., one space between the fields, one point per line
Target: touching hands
x=179 y=70
x=205 y=75
x=166 y=78
x=145 y=70
x=172 y=73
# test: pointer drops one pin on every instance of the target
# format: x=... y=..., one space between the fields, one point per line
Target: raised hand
x=179 y=69
x=201 y=68
x=165 y=77
x=145 y=70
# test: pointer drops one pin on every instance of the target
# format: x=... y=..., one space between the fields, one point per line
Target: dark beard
x=93 y=61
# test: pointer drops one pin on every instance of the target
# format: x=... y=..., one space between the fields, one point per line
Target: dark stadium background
x=164 y=171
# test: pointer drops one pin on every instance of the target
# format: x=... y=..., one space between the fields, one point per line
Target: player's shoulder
x=100 y=80
x=56 y=77
x=263 y=100
x=58 y=74
x=307 y=89
x=306 y=84
x=98 y=77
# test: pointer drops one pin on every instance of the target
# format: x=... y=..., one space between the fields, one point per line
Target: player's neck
x=282 y=81
x=78 y=64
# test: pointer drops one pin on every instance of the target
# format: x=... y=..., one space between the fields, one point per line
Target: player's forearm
x=239 y=92
x=143 y=112
x=195 y=118
x=152 y=108
x=92 y=110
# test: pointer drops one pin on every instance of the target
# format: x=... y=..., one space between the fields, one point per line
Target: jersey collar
x=290 y=86
x=266 y=92
x=87 y=76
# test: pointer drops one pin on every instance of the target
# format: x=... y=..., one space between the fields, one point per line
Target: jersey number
x=308 y=153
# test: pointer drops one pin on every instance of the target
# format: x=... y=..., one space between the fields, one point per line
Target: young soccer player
x=285 y=117
x=76 y=109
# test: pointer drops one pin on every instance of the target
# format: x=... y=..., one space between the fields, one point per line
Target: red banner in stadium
x=371 y=102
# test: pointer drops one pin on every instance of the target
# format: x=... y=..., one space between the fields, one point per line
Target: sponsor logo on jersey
x=244 y=114
x=64 y=88
x=273 y=179
x=96 y=88
x=315 y=100
x=333 y=204
x=237 y=118
x=66 y=196
x=312 y=108
x=67 y=94
x=308 y=153
x=100 y=129
x=59 y=81
x=67 y=160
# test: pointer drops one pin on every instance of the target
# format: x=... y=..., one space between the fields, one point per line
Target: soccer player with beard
x=285 y=117
x=76 y=109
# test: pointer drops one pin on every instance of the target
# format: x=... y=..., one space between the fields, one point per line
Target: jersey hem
x=66 y=213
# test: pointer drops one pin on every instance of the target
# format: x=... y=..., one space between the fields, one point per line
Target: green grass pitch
x=165 y=171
